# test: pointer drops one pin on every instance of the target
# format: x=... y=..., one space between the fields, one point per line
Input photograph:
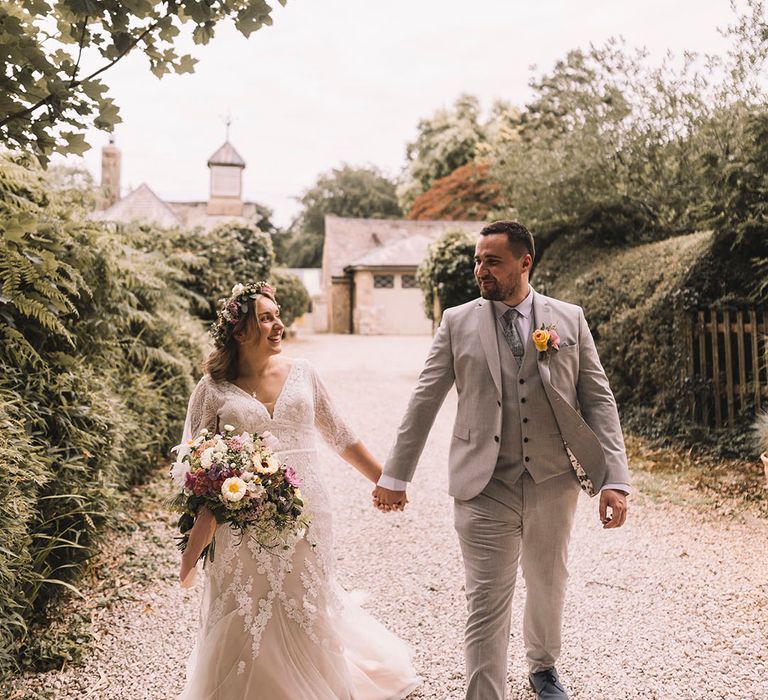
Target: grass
x=675 y=475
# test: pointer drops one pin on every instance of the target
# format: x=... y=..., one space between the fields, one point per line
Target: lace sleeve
x=327 y=420
x=201 y=411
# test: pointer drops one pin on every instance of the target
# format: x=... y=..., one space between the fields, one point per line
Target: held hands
x=386 y=500
x=617 y=502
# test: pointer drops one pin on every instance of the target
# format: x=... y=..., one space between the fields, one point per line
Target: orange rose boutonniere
x=546 y=339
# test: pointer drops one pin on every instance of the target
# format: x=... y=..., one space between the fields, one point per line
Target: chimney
x=110 y=174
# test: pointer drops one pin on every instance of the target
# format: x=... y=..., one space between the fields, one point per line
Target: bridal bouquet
x=239 y=478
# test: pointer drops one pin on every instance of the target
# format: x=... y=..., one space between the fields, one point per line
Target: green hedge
x=635 y=299
x=98 y=356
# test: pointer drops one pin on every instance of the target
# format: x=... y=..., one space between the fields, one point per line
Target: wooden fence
x=727 y=364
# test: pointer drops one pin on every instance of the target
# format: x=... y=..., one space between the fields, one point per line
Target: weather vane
x=228 y=122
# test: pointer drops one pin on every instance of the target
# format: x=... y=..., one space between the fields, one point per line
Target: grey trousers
x=526 y=522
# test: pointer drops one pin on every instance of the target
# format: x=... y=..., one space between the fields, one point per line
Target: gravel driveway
x=673 y=605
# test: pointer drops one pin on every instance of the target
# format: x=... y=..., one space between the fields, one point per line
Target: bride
x=276 y=625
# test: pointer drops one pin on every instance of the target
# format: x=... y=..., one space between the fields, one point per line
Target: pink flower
x=235 y=443
x=292 y=477
x=234 y=311
x=554 y=338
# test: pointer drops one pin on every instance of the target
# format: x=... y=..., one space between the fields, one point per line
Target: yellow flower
x=541 y=339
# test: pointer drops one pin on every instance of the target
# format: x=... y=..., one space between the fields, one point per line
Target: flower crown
x=234 y=309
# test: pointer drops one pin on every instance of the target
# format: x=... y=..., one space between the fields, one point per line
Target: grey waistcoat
x=544 y=445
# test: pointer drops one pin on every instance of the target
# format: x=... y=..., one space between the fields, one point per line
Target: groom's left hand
x=617 y=502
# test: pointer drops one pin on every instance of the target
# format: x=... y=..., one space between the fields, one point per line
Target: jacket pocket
x=461 y=432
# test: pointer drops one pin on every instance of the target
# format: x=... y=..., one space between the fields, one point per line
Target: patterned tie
x=512 y=335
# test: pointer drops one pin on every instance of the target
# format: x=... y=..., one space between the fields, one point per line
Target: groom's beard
x=498 y=291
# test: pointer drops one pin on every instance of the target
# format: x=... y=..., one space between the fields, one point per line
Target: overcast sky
x=337 y=81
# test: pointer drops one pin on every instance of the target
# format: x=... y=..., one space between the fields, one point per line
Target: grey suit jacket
x=465 y=352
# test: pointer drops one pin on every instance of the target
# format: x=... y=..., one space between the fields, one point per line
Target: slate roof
x=406 y=252
x=141 y=205
x=350 y=240
x=227 y=155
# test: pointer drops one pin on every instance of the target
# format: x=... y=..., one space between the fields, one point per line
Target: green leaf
x=186 y=64
x=109 y=115
x=203 y=33
x=37 y=7
x=122 y=41
x=252 y=17
x=76 y=142
x=93 y=88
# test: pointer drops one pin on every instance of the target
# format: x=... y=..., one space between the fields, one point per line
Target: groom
x=535 y=421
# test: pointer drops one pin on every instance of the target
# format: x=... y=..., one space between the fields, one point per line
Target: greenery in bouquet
x=241 y=480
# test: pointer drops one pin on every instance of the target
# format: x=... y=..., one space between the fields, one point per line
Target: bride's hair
x=221 y=362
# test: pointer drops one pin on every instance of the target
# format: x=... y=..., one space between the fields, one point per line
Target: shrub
x=446 y=275
x=635 y=299
x=216 y=261
x=292 y=296
x=96 y=369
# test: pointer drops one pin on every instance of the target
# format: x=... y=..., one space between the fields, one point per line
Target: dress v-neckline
x=279 y=395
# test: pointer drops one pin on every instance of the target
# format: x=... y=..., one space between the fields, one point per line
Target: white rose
x=206 y=459
x=237 y=290
x=229 y=428
x=233 y=489
x=179 y=471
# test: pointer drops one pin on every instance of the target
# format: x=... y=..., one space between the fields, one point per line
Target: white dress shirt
x=523 y=323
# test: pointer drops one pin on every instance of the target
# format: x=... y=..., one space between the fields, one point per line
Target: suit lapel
x=487 y=331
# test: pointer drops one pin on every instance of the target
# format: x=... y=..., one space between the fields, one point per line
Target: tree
x=344 y=191
x=615 y=146
x=446 y=141
x=739 y=214
x=47 y=98
x=467 y=193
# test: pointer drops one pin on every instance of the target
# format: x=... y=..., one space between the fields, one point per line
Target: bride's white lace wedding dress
x=275 y=625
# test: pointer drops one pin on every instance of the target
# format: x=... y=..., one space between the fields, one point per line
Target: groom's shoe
x=547 y=685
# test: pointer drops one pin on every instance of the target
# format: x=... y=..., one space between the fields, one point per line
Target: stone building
x=369 y=273
x=224 y=203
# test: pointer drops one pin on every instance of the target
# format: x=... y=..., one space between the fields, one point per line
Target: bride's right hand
x=200 y=536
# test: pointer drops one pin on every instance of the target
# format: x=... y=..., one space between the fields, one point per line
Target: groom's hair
x=519 y=238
